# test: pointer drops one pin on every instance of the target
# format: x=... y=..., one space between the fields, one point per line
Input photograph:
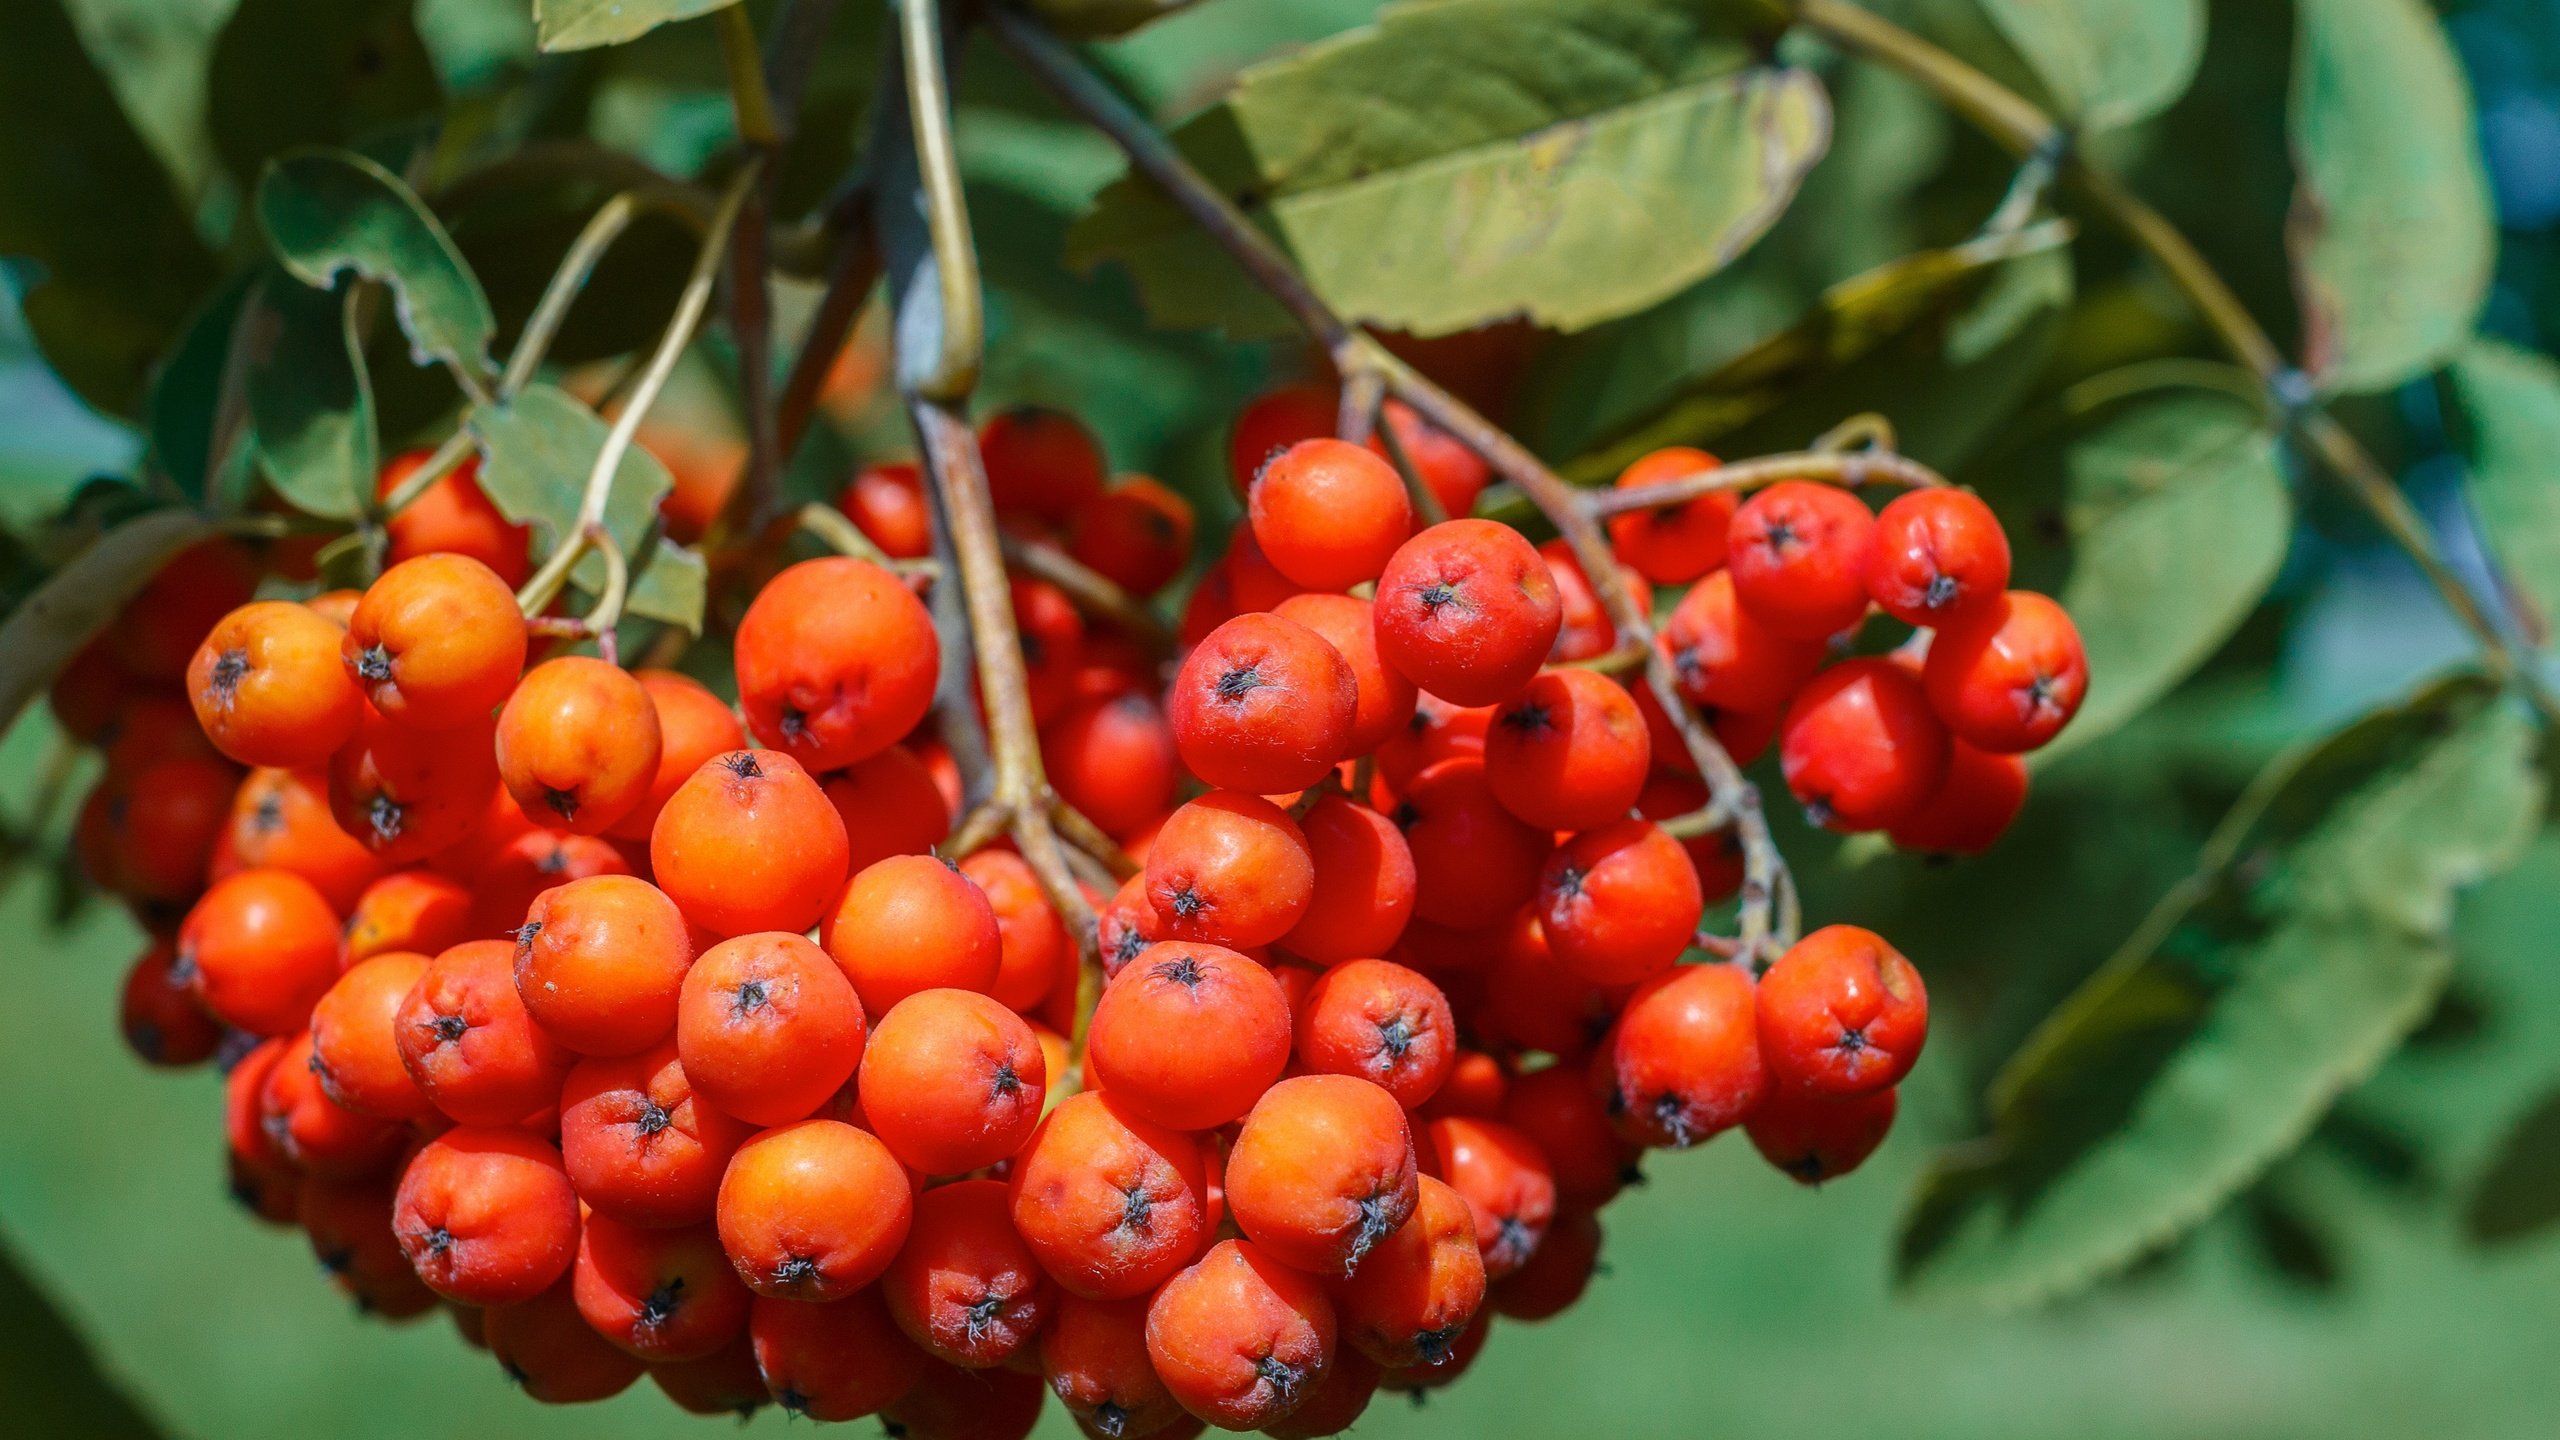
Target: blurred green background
x=2341 y=1296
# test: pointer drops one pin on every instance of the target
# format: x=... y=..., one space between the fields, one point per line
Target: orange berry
x=749 y=843
x=768 y=1027
x=1109 y=1203
x=259 y=950
x=813 y=1211
x=965 y=1286
x=1189 y=1036
x=952 y=1081
x=465 y=1037
x=436 y=643
x=911 y=923
x=578 y=744
x=693 y=726
x=1239 y=1338
x=1322 y=1171
x=269 y=688
x=487 y=1216
x=836 y=661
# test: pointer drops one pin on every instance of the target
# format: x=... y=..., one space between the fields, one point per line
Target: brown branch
x=1833 y=467
x=1093 y=592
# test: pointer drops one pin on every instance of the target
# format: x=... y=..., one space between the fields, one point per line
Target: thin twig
x=744 y=64
x=537 y=593
x=954 y=372
x=576 y=267
x=448 y=457
x=1094 y=593
x=1356 y=418
x=1836 y=467
x=1082 y=835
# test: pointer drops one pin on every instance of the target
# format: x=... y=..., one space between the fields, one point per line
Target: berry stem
x=1094 y=593
x=539 y=591
x=1355 y=355
x=1851 y=468
x=2019 y=126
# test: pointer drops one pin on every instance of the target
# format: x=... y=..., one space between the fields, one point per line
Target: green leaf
x=2519 y=1195
x=56 y=1386
x=2178 y=519
x=1897 y=316
x=82 y=195
x=310 y=401
x=2510 y=401
x=314 y=72
x=537 y=451
x=186 y=391
x=331 y=212
x=2107 y=62
x=2314 y=935
x=1463 y=161
x=2391 y=232
x=672 y=583
x=584 y=24
x=77 y=601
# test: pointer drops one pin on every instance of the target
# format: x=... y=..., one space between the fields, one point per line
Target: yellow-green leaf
x=537 y=451
x=330 y=212
x=2107 y=62
x=1466 y=160
x=584 y=24
x=2510 y=399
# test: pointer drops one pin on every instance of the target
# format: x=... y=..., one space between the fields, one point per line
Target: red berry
x=1939 y=553
x=1982 y=793
x=2010 y=675
x=1726 y=659
x=1328 y=513
x=1569 y=752
x=1109 y=1203
x=1819 y=1137
x=1673 y=544
x=1263 y=705
x=1473 y=860
x=1364 y=884
x=836 y=661
x=1322 y=1171
x=964 y=1286
x=1467 y=611
x=1799 y=554
x=1841 y=1013
x=1861 y=749
x=1239 y=1338
x=1619 y=904
x=1040 y=461
x=1384 y=699
x=1684 y=1063
x=1229 y=869
x=1189 y=1036
x=1382 y=1022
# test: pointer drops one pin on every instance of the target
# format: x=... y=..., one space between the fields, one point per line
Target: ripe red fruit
x=1619 y=904
x=1094 y=1356
x=1322 y=1171
x=1385 y=699
x=1799 y=553
x=1728 y=660
x=349 y=1222
x=355 y=1046
x=836 y=661
x=1275 y=420
x=1841 y=1013
x=2009 y=676
x=453 y=515
x=530 y=866
x=165 y=825
x=1363 y=888
x=664 y=1295
x=1229 y=869
x=268 y=686
x=1557 y=1275
x=1473 y=860
x=1684 y=1063
x=259 y=950
x=1338 y=1399
x=950 y=1403
x=316 y=1134
x=1570 y=1126
x=637 y=1142
x=1034 y=949
x=1467 y=611
x=749 y=843
x=836 y=1361
x=1569 y=752
x=578 y=744
x=414 y=910
x=693 y=726
x=1973 y=806
x=487 y=1216
x=1509 y=1190
x=600 y=962
x=1189 y=1036
x=1239 y=1338
x=1673 y=544
x=1533 y=1001
x=1416 y=1294
x=1113 y=758
x=467 y=1039
x=1588 y=631
x=158 y=630
x=406 y=794
x=813 y=1211
x=550 y=1350
x=964 y=1286
x=1263 y=705
x=886 y=502
x=1137 y=534
x=1715 y=856
x=1328 y=513
x=1126 y=925
x=1939 y=554
x=1051 y=631
x=952 y=1081
x=1040 y=461
x=768 y=1028
x=1436 y=731
x=1382 y=1022
x=1453 y=473
x=1109 y=1203
x=890 y=805
x=161 y=1021
x=1861 y=749
x=725 y=1382
x=911 y=923
x=1814 y=1138
x=436 y=643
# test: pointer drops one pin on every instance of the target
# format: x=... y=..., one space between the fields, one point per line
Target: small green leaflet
x=2107 y=62
x=329 y=212
x=1466 y=160
x=310 y=400
x=2391 y=233
x=537 y=451
x=2510 y=403
x=584 y=24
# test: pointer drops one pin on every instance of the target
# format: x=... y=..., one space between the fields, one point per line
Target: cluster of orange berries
x=551 y=996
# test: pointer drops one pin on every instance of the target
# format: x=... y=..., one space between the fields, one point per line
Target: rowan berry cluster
x=651 y=1035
